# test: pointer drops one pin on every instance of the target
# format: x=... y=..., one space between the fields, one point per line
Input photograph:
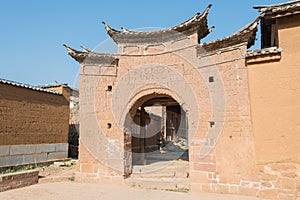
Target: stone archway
x=155 y=130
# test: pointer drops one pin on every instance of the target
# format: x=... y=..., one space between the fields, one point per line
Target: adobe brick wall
x=274 y=92
x=33 y=125
x=32 y=117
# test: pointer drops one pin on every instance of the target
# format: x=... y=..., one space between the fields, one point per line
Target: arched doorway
x=156 y=131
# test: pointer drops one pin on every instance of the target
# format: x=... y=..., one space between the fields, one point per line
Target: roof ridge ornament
x=125 y=30
x=86 y=49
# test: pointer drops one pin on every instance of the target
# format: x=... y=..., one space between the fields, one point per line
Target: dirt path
x=55 y=184
x=86 y=191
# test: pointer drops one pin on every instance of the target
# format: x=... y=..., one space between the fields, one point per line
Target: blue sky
x=33 y=31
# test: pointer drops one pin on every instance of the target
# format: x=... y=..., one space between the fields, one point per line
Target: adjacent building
x=33 y=124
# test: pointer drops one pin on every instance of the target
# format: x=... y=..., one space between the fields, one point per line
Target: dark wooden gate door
x=127 y=154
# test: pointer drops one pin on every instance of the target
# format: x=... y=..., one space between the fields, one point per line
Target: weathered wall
x=18 y=180
x=33 y=125
x=275 y=93
x=184 y=76
x=230 y=167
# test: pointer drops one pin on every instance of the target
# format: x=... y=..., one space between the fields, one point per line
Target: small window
x=269 y=33
x=109 y=88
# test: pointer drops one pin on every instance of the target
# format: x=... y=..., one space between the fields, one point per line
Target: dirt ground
x=87 y=191
x=55 y=184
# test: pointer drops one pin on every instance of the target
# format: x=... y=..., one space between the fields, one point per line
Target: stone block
x=196 y=187
x=4 y=160
x=268 y=177
x=61 y=147
x=205 y=167
x=57 y=155
x=198 y=177
x=233 y=189
x=14 y=160
x=248 y=191
x=268 y=194
x=45 y=148
x=230 y=179
x=35 y=158
x=22 y=149
x=86 y=168
x=4 y=150
x=287 y=183
x=224 y=189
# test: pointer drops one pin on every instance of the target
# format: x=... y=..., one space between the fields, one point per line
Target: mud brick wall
x=33 y=125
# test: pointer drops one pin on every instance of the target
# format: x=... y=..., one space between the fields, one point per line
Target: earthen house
x=225 y=118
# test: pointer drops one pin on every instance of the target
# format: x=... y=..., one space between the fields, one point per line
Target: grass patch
x=72 y=178
x=178 y=190
x=9 y=171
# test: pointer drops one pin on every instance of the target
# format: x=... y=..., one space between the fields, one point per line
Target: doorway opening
x=158 y=128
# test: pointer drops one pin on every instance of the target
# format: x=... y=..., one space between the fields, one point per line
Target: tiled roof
x=279 y=10
x=266 y=51
x=22 y=85
x=246 y=34
x=53 y=85
x=90 y=56
x=196 y=24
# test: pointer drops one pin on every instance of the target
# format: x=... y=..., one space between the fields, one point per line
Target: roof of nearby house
x=23 y=85
x=279 y=10
x=265 y=51
x=57 y=85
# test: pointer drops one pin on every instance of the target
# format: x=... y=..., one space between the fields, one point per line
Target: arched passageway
x=156 y=131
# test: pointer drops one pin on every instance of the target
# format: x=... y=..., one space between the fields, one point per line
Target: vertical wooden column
x=142 y=136
x=164 y=121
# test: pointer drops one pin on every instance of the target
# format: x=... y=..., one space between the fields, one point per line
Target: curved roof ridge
x=279 y=10
x=245 y=34
x=194 y=18
x=196 y=24
x=88 y=55
x=276 y=5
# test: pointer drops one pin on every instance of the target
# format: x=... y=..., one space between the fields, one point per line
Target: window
x=269 y=33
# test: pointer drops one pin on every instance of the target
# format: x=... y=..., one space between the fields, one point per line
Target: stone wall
x=33 y=125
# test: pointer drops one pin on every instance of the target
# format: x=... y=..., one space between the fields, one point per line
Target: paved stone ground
x=87 y=191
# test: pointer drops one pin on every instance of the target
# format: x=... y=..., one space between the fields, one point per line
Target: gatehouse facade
x=168 y=111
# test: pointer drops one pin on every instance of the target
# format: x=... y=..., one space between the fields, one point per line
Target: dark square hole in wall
x=212 y=124
x=109 y=88
x=109 y=125
x=211 y=79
